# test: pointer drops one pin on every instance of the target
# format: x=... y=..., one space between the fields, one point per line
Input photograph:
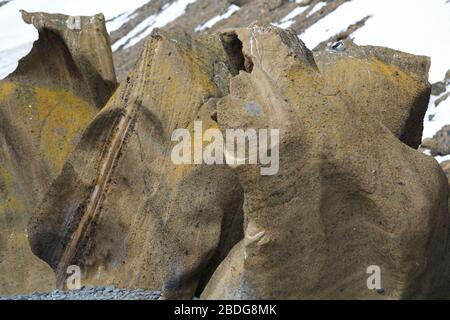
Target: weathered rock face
x=438 y=88
x=82 y=45
x=44 y=105
x=439 y=145
x=391 y=85
x=121 y=209
x=348 y=194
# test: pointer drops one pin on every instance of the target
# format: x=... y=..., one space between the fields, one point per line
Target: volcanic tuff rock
x=349 y=194
x=121 y=209
x=391 y=85
x=128 y=216
x=57 y=88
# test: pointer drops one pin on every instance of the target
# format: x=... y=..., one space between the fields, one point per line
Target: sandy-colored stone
x=348 y=194
x=121 y=209
x=44 y=105
x=391 y=85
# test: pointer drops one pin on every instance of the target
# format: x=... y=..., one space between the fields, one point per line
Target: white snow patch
x=9 y=58
x=210 y=23
x=144 y=29
x=442 y=159
x=120 y=20
x=439 y=159
x=317 y=7
x=287 y=21
x=440 y=116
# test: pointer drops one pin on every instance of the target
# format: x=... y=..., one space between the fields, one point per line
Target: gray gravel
x=93 y=293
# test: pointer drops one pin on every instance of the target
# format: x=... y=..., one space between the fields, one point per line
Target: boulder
x=44 y=105
x=391 y=85
x=348 y=195
x=121 y=209
x=438 y=88
x=439 y=145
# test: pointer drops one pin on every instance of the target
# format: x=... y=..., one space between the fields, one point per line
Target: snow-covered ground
x=208 y=24
x=16 y=37
x=317 y=7
x=168 y=14
x=437 y=117
x=288 y=20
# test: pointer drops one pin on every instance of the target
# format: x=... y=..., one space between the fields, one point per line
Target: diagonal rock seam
x=106 y=168
x=55 y=91
x=112 y=154
x=168 y=242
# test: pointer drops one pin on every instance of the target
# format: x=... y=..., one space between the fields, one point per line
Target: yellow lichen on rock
x=392 y=87
x=44 y=106
x=60 y=115
x=6 y=88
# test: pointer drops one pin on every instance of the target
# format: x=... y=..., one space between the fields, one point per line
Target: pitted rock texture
x=391 y=85
x=121 y=209
x=44 y=105
x=349 y=193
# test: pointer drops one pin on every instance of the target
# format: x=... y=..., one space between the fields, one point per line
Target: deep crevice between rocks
x=234 y=49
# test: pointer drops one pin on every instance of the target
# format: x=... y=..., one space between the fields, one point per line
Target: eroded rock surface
x=121 y=209
x=350 y=192
x=44 y=105
x=348 y=195
x=391 y=85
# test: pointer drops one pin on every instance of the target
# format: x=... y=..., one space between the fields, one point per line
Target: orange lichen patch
x=61 y=116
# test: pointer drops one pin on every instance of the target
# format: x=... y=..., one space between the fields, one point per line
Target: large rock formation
x=391 y=85
x=349 y=193
x=44 y=105
x=121 y=209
